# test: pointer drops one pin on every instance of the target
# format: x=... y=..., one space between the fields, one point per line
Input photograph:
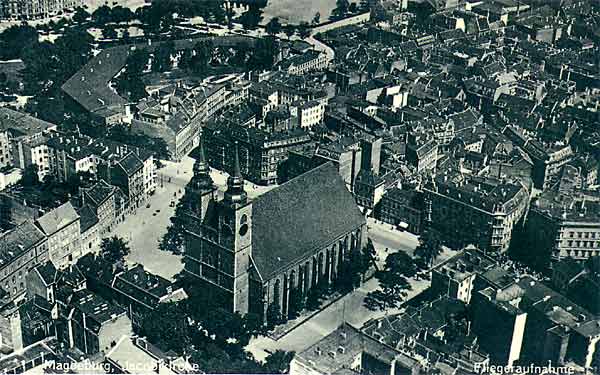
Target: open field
x=295 y=12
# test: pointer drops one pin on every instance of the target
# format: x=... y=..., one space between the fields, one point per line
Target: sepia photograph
x=302 y=187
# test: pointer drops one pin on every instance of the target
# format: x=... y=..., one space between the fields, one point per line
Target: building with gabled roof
x=105 y=200
x=474 y=210
x=290 y=238
x=90 y=323
x=62 y=227
x=21 y=249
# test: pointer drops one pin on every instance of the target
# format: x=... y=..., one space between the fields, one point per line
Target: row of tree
x=211 y=336
x=350 y=275
x=399 y=267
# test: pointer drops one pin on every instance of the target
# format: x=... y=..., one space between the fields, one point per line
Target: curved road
x=320 y=46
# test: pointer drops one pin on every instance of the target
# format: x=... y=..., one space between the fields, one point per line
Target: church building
x=255 y=252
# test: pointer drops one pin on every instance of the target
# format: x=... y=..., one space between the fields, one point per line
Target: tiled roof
x=57 y=219
x=87 y=218
x=47 y=272
x=100 y=192
x=143 y=285
x=17 y=241
x=308 y=212
x=131 y=164
x=95 y=307
x=22 y=123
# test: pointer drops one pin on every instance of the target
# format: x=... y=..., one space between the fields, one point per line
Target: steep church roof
x=300 y=217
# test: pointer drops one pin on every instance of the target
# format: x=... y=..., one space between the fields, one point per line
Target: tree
x=126 y=36
x=102 y=16
x=273 y=27
x=81 y=15
x=289 y=31
x=393 y=290
x=316 y=294
x=367 y=257
x=274 y=316
x=278 y=362
x=430 y=247
x=392 y=282
x=137 y=61
x=316 y=19
x=340 y=10
x=264 y=54
x=199 y=63
x=30 y=176
x=296 y=304
x=167 y=327
x=402 y=264
x=121 y=14
x=162 y=57
x=185 y=61
x=251 y=18
x=304 y=30
x=15 y=40
x=114 y=249
x=109 y=33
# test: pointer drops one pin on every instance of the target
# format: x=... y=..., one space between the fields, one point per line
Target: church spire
x=235 y=193
x=201 y=179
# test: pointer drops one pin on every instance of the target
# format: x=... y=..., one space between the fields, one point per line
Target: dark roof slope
x=87 y=218
x=306 y=213
x=131 y=164
x=15 y=242
x=47 y=272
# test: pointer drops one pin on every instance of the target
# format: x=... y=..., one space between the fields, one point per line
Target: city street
x=386 y=239
x=349 y=308
x=147 y=226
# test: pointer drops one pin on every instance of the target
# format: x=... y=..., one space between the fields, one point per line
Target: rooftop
x=17 y=241
x=57 y=219
x=21 y=123
x=342 y=347
x=303 y=214
x=467 y=263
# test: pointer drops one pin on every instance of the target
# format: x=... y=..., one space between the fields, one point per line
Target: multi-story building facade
x=472 y=210
x=128 y=175
x=456 y=277
x=62 y=227
x=421 y=152
x=404 y=208
x=545 y=325
x=91 y=324
x=21 y=249
x=34 y=9
x=566 y=225
x=261 y=153
x=309 y=113
x=22 y=141
x=306 y=62
x=103 y=198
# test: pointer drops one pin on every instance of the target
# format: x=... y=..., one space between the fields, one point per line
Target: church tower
x=236 y=221
x=201 y=189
